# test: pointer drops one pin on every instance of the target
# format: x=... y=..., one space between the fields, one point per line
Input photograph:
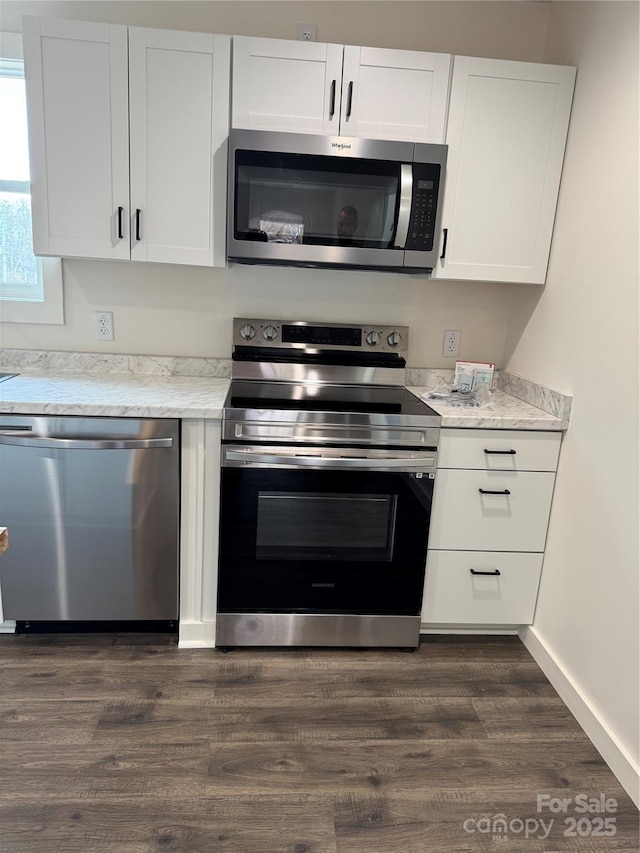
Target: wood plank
x=41 y=771
x=280 y=720
x=161 y=648
x=250 y=825
x=243 y=678
x=545 y=717
x=402 y=766
x=47 y=721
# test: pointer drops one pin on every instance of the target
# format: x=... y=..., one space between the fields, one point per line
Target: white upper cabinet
x=394 y=94
x=506 y=134
x=77 y=100
x=307 y=87
x=127 y=133
x=291 y=86
x=179 y=107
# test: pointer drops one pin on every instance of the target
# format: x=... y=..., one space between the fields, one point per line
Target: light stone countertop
x=153 y=396
x=502 y=412
x=114 y=395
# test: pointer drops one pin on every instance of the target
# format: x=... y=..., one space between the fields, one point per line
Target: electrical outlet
x=307 y=32
x=104 y=325
x=451 y=344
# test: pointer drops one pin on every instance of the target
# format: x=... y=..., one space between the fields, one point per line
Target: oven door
x=314 y=531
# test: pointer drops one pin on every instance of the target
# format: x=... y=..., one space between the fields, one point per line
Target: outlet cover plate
x=307 y=32
x=104 y=325
x=451 y=343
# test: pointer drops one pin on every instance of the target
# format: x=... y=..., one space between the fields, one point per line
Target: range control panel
x=289 y=334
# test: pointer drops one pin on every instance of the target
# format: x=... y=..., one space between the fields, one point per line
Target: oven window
x=315 y=200
x=323 y=527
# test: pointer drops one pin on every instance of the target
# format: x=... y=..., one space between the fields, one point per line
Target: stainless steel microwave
x=325 y=201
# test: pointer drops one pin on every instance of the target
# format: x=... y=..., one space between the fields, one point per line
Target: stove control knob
x=373 y=338
x=270 y=333
x=394 y=339
x=247 y=332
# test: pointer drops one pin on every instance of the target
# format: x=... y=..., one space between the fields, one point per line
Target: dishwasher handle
x=84 y=443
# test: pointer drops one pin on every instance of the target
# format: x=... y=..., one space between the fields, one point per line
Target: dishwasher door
x=92 y=509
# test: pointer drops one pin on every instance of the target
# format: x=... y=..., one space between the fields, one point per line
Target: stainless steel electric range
x=328 y=469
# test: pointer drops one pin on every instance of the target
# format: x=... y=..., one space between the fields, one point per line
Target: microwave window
x=304 y=199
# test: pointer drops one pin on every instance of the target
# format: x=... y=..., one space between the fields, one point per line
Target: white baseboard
x=595 y=727
x=7 y=627
x=197 y=635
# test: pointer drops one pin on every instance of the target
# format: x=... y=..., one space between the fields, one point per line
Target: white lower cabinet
x=491 y=510
x=489 y=522
x=481 y=588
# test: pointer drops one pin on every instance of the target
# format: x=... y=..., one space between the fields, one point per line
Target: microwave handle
x=404 y=212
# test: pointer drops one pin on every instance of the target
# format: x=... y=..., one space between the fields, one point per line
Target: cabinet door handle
x=120 y=212
x=494 y=573
x=490 y=492
x=332 y=99
x=445 y=231
x=138 y=212
x=500 y=452
x=349 y=99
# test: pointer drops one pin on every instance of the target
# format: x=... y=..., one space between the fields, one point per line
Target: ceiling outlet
x=307 y=32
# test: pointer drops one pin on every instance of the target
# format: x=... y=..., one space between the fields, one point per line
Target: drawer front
x=453 y=595
x=466 y=448
x=465 y=518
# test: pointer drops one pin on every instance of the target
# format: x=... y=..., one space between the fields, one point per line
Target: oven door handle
x=250 y=456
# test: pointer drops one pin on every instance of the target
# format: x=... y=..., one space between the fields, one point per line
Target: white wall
x=163 y=309
x=582 y=337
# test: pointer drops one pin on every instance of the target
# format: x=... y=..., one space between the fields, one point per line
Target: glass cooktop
x=325 y=398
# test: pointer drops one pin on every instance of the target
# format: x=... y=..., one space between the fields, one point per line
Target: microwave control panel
x=426 y=179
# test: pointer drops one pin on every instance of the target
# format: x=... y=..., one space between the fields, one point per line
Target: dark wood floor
x=125 y=744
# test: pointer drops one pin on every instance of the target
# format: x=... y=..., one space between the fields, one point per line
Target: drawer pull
x=490 y=492
x=494 y=573
x=500 y=452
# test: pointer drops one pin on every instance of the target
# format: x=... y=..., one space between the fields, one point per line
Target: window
x=30 y=287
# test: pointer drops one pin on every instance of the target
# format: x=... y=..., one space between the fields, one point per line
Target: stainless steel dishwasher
x=92 y=508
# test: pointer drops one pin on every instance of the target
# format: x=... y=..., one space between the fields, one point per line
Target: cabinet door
x=394 y=94
x=286 y=85
x=506 y=133
x=179 y=107
x=77 y=97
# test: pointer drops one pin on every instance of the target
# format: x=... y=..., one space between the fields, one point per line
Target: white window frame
x=12 y=309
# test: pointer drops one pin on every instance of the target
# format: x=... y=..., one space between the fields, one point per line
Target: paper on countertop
x=471 y=375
